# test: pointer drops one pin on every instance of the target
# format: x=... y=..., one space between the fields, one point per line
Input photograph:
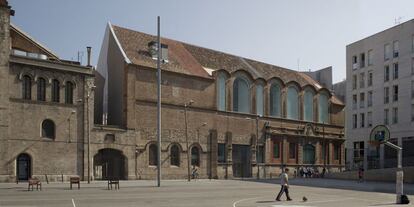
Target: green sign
x=380 y=133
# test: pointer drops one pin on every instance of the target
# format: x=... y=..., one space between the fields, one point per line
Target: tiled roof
x=191 y=60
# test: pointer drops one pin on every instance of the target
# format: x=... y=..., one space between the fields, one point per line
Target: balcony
x=354 y=66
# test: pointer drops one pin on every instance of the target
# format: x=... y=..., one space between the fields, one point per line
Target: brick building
x=42 y=108
x=246 y=118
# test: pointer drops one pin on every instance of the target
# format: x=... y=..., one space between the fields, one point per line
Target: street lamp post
x=158 y=103
x=89 y=90
x=186 y=105
x=257 y=145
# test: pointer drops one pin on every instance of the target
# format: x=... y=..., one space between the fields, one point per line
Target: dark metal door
x=23 y=167
x=241 y=161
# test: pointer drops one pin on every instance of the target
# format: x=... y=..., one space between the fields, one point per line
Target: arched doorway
x=308 y=154
x=24 y=167
x=110 y=164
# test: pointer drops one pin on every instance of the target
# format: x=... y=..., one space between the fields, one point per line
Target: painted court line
x=246 y=199
x=73 y=202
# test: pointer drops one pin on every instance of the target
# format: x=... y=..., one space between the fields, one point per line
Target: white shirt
x=284 y=179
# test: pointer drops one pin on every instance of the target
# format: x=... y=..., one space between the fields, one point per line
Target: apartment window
x=41 y=89
x=292 y=150
x=354 y=101
x=412 y=89
x=386 y=95
x=195 y=156
x=221 y=153
x=175 y=155
x=370 y=57
x=386 y=73
x=412 y=112
x=362 y=80
x=369 y=119
x=369 y=98
x=386 y=116
x=48 y=129
x=354 y=62
x=354 y=121
x=69 y=93
x=395 y=93
x=354 y=82
x=395 y=72
x=337 y=151
x=395 y=115
x=361 y=100
x=412 y=66
x=55 y=90
x=387 y=51
x=152 y=155
x=362 y=60
x=395 y=47
x=362 y=120
x=370 y=77
x=27 y=87
x=276 y=150
x=359 y=150
x=412 y=43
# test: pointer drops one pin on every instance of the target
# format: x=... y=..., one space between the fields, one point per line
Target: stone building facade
x=245 y=118
x=43 y=100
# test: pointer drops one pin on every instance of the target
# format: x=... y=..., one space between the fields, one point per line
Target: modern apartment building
x=380 y=90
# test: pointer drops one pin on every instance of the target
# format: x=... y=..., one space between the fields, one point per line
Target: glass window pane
x=292 y=103
x=259 y=99
x=275 y=100
x=323 y=108
x=308 y=106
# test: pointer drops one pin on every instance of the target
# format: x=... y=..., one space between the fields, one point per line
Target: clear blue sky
x=273 y=31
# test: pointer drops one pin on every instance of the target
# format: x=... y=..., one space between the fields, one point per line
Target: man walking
x=284 y=182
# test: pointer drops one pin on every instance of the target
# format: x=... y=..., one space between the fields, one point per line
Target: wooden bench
x=74 y=180
x=113 y=181
x=34 y=182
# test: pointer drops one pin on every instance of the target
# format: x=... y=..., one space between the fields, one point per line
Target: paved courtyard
x=222 y=193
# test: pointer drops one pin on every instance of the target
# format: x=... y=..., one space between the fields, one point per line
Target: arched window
x=323 y=108
x=292 y=103
x=308 y=154
x=175 y=155
x=69 y=93
x=195 y=156
x=308 y=106
x=275 y=100
x=41 y=89
x=152 y=156
x=221 y=92
x=241 y=96
x=55 y=90
x=27 y=87
x=48 y=129
x=259 y=99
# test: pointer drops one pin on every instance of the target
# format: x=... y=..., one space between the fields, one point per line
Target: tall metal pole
x=257 y=146
x=324 y=145
x=186 y=142
x=158 y=103
x=88 y=131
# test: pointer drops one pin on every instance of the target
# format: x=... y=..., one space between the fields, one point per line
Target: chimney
x=88 y=49
x=4 y=3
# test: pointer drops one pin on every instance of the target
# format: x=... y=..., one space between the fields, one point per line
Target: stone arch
x=110 y=163
x=24 y=166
